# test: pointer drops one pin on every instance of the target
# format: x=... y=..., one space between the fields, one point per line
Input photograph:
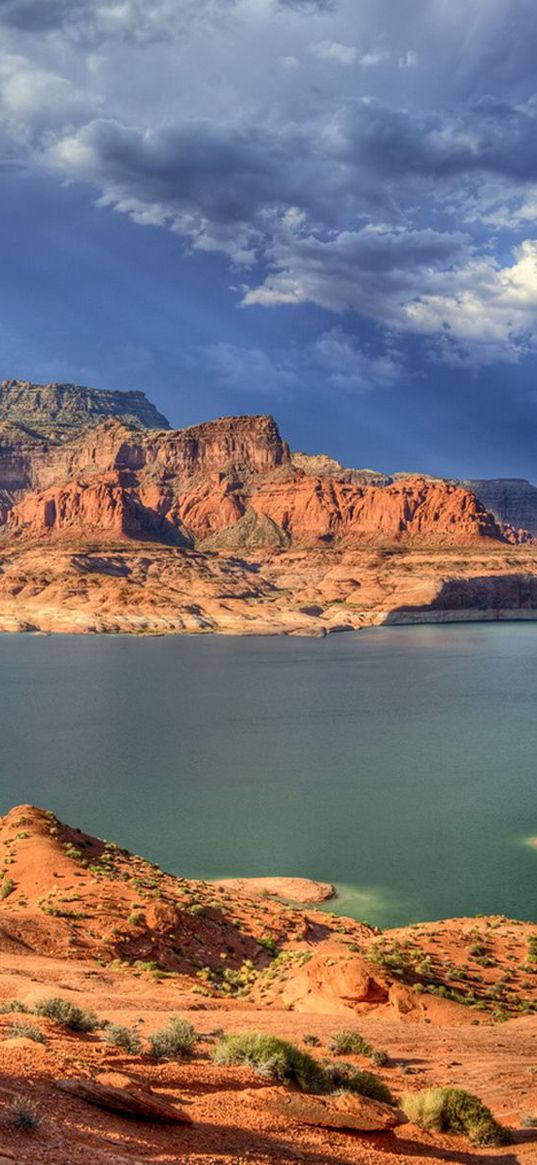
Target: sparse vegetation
x=350 y=1043
x=6 y=888
x=456 y=1111
x=345 y=1077
x=174 y=1041
x=14 y=1005
x=26 y=1030
x=126 y=1038
x=23 y=1116
x=62 y=1011
x=272 y=1057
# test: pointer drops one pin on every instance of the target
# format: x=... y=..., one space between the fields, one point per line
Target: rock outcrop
x=108 y=523
x=57 y=411
x=511 y=500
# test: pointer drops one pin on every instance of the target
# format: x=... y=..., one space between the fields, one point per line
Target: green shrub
x=6 y=888
x=126 y=1038
x=350 y=1043
x=28 y=1031
x=345 y=1077
x=273 y=1057
x=311 y=1041
x=456 y=1111
x=13 y=1005
x=175 y=1040
x=62 y=1011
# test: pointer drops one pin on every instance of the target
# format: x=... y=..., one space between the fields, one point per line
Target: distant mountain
x=57 y=411
x=511 y=499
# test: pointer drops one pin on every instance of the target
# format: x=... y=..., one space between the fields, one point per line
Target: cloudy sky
x=323 y=209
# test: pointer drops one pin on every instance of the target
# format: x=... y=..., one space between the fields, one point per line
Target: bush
x=346 y=1078
x=175 y=1040
x=28 y=1031
x=13 y=1005
x=456 y=1111
x=126 y=1038
x=350 y=1043
x=62 y=1011
x=271 y=1056
x=23 y=1116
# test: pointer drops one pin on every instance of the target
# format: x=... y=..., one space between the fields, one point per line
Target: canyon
x=112 y=521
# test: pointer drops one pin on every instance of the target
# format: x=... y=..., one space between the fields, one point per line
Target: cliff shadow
x=480 y=598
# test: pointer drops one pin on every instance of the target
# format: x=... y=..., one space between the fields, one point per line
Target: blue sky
x=322 y=209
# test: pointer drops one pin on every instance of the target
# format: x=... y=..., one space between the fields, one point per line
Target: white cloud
x=34 y=99
x=333 y=50
x=483 y=312
x=376 y=57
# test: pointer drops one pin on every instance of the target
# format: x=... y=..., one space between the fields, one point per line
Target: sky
x=325 y=210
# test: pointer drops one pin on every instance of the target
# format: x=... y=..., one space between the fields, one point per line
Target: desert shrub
x=28 y=1031
x=126 y=1038
x=175 y=1040
x=6 y=888
x=13 y=1005
x=311 y=1041
x=269 y=944
x=23 y=1116
x=350 y=1043
x=345 y=1077
x=271 y=1056
x=456 y=1111
x=62 y=1011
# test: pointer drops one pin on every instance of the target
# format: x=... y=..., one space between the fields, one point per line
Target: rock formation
x=511 y=500
x=57 y=411
x=107 y=523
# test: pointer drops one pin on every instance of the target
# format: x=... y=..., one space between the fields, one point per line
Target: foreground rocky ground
x=451 y=1003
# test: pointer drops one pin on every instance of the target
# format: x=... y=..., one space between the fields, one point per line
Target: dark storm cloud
x=488 y=136
x=134 y=19
x=40 y=15
x=227 y=173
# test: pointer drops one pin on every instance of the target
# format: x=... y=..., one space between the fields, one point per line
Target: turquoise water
x=400 y=763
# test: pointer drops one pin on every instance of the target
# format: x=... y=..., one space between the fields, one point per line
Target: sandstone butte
x=89 y=922
x=111 y=522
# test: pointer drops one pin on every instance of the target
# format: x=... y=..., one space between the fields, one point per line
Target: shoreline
x=388 y=619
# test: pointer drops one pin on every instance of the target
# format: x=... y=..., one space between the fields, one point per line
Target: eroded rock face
x=267 y=541
x=56 y=411
x=319 y=510
x=511 y=500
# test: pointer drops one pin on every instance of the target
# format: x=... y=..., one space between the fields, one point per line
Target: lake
x=399 y=763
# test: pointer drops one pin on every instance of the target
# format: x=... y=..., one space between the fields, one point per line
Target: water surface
x=400 y=763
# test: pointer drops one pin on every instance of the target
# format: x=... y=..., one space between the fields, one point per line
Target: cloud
x=349 y=368
x=333 y=50
x=350 y=202
x=335 y=361
x=424 y=283
x=240 y=368
x=372 y=271
x=34 y=100
x=482 y=312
